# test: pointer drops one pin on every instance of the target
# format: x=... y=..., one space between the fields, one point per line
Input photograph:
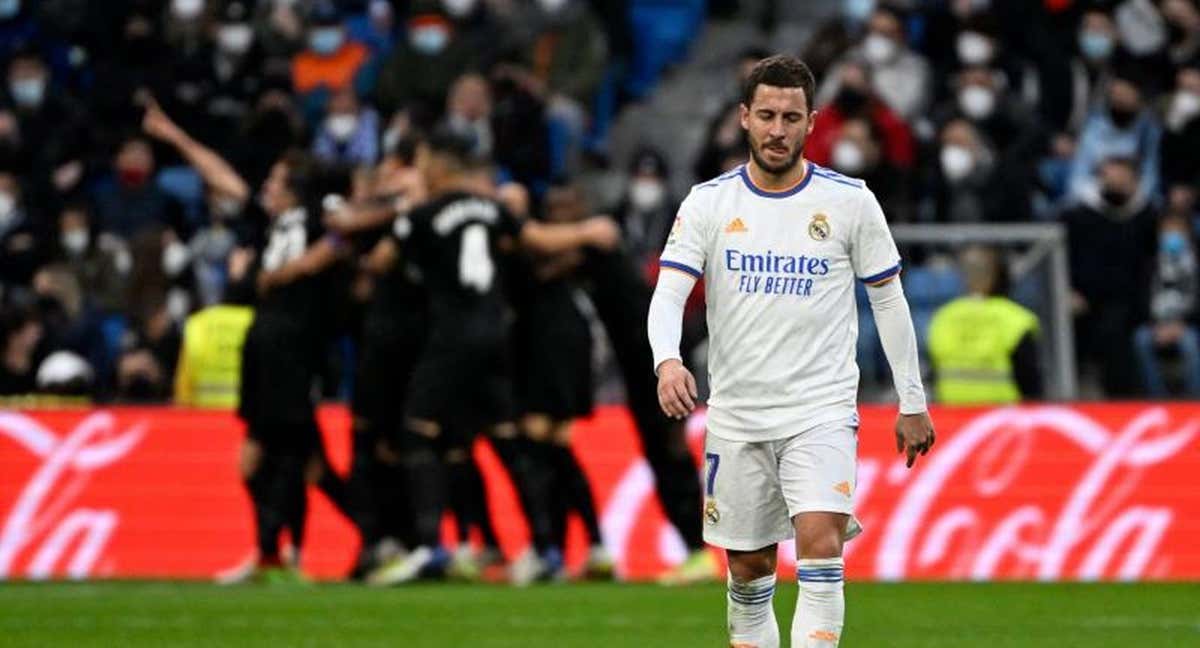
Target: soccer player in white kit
x=779 y=242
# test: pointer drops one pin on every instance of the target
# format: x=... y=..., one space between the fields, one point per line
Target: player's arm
x=682 y=264
x=877 y=263
x=382 y=257
x=549 y=239
x=677 y=392
x=216 y=172
x=316 y=258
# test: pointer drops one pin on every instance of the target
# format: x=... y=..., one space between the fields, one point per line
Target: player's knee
x=749 y=565
x=822 y=543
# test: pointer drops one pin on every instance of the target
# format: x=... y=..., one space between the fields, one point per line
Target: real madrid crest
x=818 y=229
x=711 y=513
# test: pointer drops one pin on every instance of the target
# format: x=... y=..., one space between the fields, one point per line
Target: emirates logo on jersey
x=818 y=229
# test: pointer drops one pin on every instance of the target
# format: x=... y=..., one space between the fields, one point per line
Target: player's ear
x=812 y=120
x=744 y=116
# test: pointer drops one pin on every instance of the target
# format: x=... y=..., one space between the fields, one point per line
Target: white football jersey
x=779 y=270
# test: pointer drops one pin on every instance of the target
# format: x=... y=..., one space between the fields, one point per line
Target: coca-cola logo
x=1017 y=457
x=43 y=522
x=1033 y=493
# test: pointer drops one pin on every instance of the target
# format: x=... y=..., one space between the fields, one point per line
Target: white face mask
x=235 y=38
x=341 y=126
x=391 y=139
x=459 y=8
x=957 y=162
x=76 y=241
x=974 y=48
x=645 y=193
x=977 y=102
x=429 y=40
x=552 y=6
x=186 y=9
x=28 y=93
x=1184 y=106
x=879 y=49
x=848 y=157
x=175 y=258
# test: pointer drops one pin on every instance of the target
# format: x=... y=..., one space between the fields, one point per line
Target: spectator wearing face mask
x=130 y=202
x=854 y=98
x=469 y=112
x=349 y=135
x=858 y=153
x=899 y=76
x=236 y=73
x=330 y=62
x=1181 y=133
x=54 y=141
x=1122 y=127
x=981 y=97
x=440 y=51
x=1097 y=51
x=99 y=262
x=647 y=211
x=1171 y=328
x=1111 y=243
x=969 y=185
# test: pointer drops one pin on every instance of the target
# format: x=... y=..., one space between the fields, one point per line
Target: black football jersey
x=454 y=242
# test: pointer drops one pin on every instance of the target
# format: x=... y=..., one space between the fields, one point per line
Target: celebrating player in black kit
x=463 y=382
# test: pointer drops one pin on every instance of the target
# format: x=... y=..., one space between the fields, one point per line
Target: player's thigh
x=818 y=469
x=744 y=507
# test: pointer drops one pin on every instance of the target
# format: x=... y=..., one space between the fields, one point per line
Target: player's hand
x=677 y=392
x=914 y=434
x=157 y=124
x=601 y=232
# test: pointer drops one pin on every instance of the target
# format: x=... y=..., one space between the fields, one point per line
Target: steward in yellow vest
x=984 y=345
x=210 y=359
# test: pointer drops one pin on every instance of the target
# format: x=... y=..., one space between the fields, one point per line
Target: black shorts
x=553 y=348
x=278 y=366
x=386 y=360
x=463 y=384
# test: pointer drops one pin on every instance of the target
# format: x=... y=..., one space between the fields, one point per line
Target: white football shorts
x=753 y=489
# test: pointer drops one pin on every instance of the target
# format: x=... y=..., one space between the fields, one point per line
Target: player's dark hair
x=781 y=71
x=454 y=145
x=300 y=171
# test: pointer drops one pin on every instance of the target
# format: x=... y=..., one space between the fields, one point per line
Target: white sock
x=751 y=616
x=821 y=607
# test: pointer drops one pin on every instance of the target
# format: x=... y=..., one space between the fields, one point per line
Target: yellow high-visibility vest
x=210 y=359
x=971 y=343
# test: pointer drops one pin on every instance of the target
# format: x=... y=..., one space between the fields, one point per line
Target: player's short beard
x=778 y=169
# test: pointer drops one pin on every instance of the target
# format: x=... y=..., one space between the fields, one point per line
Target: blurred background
x=1060 y=136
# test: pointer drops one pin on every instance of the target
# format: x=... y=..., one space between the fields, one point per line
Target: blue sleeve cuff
x=682 y=267
x=886 y=274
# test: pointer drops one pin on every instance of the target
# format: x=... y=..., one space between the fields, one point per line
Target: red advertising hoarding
x=1101 y=491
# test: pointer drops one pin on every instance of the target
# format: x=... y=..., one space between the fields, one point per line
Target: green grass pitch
x=602 y=615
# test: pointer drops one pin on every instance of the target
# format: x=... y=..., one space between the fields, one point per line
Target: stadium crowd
x=135 y=136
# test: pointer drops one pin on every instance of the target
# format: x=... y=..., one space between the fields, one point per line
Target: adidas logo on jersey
x=736 y=225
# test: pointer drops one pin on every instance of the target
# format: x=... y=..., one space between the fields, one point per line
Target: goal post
x=1039 y=253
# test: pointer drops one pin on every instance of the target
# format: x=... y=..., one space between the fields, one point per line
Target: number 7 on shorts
x=714 y=461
